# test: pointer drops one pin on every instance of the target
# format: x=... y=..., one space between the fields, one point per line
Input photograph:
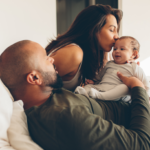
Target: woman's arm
x=67 y=60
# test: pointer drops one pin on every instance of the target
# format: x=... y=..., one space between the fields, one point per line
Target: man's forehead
x=35 y=53
x=31 y=45
x=34 y=47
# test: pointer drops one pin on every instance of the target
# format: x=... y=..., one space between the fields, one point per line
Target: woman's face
x=108 y=34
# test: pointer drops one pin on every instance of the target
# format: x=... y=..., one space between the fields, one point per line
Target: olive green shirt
x=68 y=121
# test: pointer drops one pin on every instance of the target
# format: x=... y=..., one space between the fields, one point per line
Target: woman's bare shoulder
x=71 y=52
x=68 y=59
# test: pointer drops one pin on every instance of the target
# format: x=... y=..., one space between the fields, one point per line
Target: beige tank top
x=76 y=80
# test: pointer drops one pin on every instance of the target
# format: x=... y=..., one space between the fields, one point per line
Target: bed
x=14 y=133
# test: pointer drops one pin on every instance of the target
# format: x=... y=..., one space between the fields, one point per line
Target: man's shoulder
x=60 y=100
x=56 y=117
x=66 y=98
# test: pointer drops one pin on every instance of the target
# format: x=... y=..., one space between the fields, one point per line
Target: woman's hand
x=130 y=81
x=88 y=81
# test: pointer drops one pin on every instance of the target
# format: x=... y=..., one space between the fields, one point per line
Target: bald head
x=14 y=63
x=28 y=72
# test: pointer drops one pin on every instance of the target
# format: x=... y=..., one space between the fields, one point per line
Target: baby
x=110 y=86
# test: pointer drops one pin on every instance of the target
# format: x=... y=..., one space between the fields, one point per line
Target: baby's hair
x=134 y=43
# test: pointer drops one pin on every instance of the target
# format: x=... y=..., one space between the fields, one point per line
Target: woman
x=79 y=52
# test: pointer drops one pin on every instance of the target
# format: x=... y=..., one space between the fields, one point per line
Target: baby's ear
x=135 y=54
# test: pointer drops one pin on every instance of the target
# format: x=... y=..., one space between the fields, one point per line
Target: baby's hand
x=88 y=81
x=133 y=60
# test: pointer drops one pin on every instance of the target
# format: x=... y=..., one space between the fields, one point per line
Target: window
x=112 y=3
x=67 y=10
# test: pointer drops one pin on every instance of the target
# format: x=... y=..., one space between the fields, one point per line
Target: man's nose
x=51 y=59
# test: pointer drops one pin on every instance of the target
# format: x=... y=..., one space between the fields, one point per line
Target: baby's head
x=126 y=48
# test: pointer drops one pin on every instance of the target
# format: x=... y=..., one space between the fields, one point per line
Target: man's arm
x=85 y=130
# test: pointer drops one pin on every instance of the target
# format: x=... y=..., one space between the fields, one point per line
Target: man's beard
x=52 y=79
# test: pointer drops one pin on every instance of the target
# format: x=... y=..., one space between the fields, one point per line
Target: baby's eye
x=122 y=49
x=115 y=49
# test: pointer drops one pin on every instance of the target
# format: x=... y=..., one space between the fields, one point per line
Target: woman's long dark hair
x=83 y=32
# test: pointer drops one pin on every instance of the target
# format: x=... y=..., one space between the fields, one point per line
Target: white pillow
x=18 y=131
x=6 y=108
x=14 y=132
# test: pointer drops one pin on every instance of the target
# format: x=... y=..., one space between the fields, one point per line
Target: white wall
x=136 y=23
x=27 y=19
x=36 y=20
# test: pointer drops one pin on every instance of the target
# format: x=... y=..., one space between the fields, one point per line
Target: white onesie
x=110 y=86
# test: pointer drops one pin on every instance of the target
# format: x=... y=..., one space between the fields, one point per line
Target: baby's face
x=122 y=51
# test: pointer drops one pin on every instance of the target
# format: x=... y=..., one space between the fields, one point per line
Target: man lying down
x=61 y=120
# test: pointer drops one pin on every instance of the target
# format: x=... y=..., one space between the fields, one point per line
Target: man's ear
x=34 y=77
x=135 y=54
